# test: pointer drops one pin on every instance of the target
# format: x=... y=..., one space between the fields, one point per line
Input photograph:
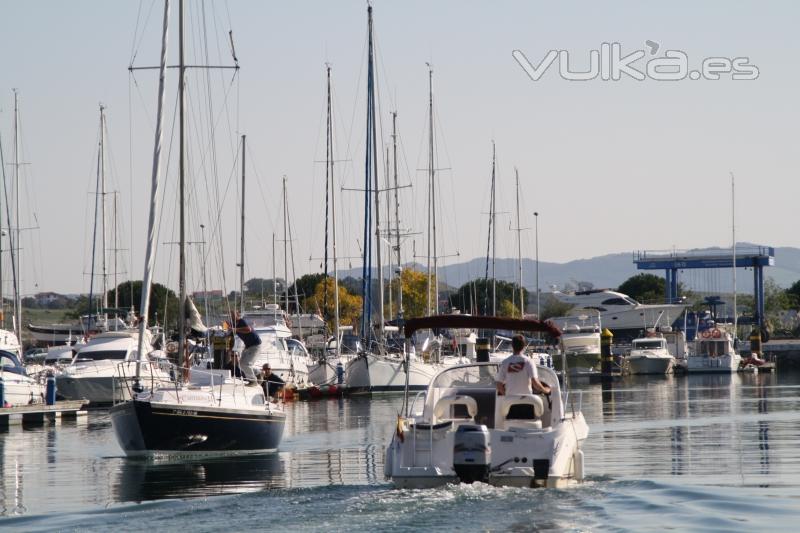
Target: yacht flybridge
x=464 y=431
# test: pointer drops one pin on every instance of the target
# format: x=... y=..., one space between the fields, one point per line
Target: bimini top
x=482 y=322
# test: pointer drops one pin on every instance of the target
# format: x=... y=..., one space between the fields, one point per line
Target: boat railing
x=128 y=380
x=569 y=399
x=419 y=394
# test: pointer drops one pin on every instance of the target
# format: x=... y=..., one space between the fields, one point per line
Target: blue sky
x=610 y=166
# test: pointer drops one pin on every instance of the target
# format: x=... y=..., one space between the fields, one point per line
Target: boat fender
x=706 y=334
x=577 y=460
x=716 y=333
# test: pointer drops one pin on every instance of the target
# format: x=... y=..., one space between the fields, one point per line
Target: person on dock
x=271 y=383
x=517 y=374
x=251 y=341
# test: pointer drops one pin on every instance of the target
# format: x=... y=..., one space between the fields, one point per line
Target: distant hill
x=608 y=271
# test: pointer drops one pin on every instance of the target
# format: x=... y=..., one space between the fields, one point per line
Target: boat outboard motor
x=472 y=454
x=482 y=350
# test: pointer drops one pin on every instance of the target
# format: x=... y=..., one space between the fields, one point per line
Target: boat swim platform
x=39 y=413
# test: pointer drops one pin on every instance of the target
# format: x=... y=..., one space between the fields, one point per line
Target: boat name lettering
x=184 y=412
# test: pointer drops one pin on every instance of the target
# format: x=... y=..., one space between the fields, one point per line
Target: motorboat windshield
x=649 y=344
x=479 y=376
x=10 y=363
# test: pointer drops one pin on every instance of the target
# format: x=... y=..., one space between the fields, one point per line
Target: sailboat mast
x=733 y=238
x=15 y=256
x=102 y=170
x=493 y=216
x=432 y=282
x=366 y=270
x=241 y=257
x=274 y=273
x=387 y=176
x=519 y=255
x=116 y=251
x=397 y=220
x=329 y=173
x=182 y=185
x=144 y=303
x=285 y=254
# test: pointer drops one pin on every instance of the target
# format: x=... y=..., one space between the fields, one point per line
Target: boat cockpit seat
x=521 y=411
x=456 y=407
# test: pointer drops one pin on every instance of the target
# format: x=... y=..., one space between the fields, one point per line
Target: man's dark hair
x=518 y=343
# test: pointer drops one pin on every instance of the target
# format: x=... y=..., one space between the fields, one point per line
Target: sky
x=610 y=166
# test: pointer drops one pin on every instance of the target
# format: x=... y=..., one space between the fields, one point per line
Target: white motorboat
x=463 y=430
x=102 y=370
x=580 y=342
x=714 y=352
x=650 y=355
x=18 y=387
x=287 y=356
x=620 y=313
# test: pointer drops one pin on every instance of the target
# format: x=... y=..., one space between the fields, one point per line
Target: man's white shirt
x=516 y=372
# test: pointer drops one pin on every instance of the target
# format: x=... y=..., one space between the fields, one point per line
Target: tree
x=415 y=293
x=644 y=287
x=553 y=307
x=304 y=286
x=261 y=286
x=476 y=296
x=349 y=304
x=793 y=293
x=161 y=298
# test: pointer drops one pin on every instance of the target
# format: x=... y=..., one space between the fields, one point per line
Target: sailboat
x=375 y=369
x=18 y=387
x=226 y=416
x=102 y=367
x=325 y=370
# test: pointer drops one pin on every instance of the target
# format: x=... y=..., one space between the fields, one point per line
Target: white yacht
x=618 y=312
x=18 y=387
x=580 y=342
x=373 y=372
x=713 y=352
x=103 y=369
x=464 y=431
x=650 y=355
x=287 y=356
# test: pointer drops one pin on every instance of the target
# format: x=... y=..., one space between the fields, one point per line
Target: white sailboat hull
x=21 y=390
x=375 y=373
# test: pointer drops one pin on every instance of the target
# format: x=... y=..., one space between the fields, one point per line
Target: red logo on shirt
x=516 y=367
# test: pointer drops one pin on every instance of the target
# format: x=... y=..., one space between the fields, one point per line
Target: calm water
x=699 y=453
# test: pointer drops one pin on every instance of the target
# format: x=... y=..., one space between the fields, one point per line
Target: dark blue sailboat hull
x=144 y=429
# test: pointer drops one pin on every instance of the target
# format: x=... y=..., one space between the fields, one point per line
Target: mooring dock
x=39 y=413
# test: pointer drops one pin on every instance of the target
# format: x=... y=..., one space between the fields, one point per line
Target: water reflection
x=725 y=430
x=145 y=480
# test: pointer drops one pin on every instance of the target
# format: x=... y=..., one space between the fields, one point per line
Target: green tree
x=415 y=293
x=553 y=307
x=476 y=295
x=644 y=287
x=161 y=299
x=793 y=293
x=304 y=286
x=349 y=304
